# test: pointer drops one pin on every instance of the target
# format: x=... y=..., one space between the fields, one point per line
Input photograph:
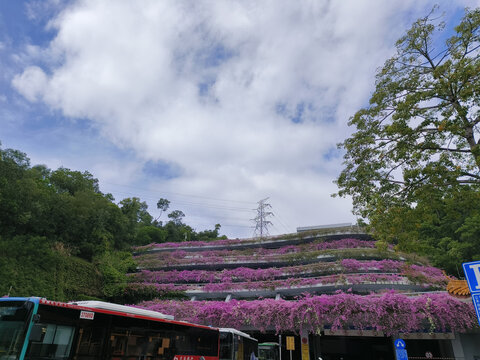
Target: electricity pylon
x=261 y=222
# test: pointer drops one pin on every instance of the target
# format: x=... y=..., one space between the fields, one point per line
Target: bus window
x=14 y=316
x=136 y=344
x=56 y=343
x=226 y=346
x=236 y=345
x=135 y=338
x=268 y=351
x=90 y=343
x=250 y=347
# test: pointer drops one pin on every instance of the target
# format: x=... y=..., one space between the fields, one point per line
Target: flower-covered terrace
x=313 y=281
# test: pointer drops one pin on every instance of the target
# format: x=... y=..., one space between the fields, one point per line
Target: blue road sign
x=401 y=354
x=476 y=304
x=399 y=344
x=472 y=274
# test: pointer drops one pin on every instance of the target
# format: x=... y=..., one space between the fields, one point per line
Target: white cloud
x=212 y=86
x=31 y=83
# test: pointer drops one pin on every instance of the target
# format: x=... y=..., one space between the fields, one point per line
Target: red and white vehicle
x=34 y=328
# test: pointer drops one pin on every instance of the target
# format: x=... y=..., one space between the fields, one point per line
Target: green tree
x=136 y=210
x=89 y=223
x=415 y=154
x=442 y=226
x=114 y=266
x=150 y=234
x=66 y=180
x=420 y=130
x=176 y=216
x=208 y=234
x=162 y=205
x=176 y=230
x=137 y=217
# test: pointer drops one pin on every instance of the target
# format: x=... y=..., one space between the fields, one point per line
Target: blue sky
x=212 y=105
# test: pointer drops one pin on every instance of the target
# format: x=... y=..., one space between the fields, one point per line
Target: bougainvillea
x=316 y=264
x=286 y=253
x=391 y=313
x=215 y=243
x=292 y=282
x=415 y=273
x=318 y=233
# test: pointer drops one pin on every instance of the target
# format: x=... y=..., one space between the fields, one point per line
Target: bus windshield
x=14 y=316
x=268 y=351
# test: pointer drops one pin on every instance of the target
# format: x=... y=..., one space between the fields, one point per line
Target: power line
x=230 y=225
x=281 y=221
x=261 y=226
x=203 y=205
x=214 y=206
x=180 y=194
x=217 y=217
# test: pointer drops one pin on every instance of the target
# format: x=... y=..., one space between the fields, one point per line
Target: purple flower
x=390 y=312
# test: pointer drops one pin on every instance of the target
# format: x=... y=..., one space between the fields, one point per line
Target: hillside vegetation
x=62 y=238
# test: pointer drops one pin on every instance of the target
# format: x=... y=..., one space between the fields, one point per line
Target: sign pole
x=280 y=347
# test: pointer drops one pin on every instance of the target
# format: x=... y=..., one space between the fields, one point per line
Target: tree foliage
x=162 y=205
x=412 y=167
x=443 y=226
x=420 y=130
x=52 y=222
x=176 y=216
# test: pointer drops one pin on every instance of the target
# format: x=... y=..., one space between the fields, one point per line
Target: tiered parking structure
x=328 y=288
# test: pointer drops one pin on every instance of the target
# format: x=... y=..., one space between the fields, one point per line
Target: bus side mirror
x=38 y=333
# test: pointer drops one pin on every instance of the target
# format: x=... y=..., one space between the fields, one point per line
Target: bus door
x=238 y=345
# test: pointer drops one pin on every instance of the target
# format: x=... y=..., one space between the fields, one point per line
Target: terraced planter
x=389 y=313
x=415 y=273
x=263 y=242
x=318 y=266
x=289 y=283
x=289 y=253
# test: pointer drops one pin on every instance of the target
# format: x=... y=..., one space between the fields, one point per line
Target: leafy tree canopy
x=61 y=237
x=421 y=129
x=176 y=216
x=412 y=166
x=67 y=206
x=66 y=180
x=443 y=226
x=163 y=204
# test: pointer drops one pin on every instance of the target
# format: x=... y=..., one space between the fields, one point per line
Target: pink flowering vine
x=391 y=313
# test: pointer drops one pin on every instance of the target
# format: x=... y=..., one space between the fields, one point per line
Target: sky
x=213 y=105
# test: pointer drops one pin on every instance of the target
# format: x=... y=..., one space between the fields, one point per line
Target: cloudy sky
x=213 y=105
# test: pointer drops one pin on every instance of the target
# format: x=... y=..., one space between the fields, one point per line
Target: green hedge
x=33 y=266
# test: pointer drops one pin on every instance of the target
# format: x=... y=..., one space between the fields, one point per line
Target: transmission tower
x=261 y=222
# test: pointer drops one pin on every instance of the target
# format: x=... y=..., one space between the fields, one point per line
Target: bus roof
x=122 y=308
x=236 y=332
